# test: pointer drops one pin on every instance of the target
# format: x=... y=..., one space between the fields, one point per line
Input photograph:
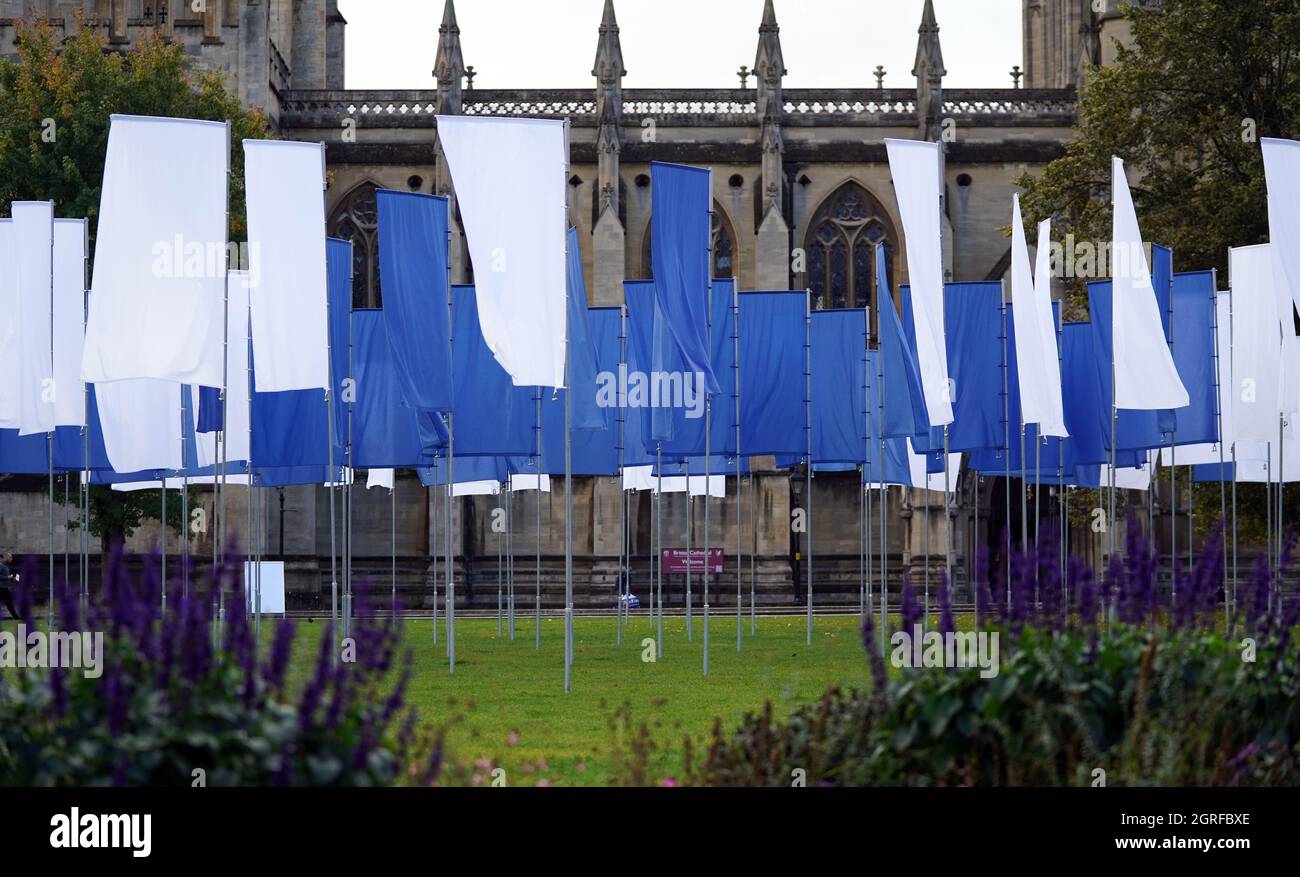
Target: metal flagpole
x=537 y=523
x=568 y=513
x=753 y=560
x=392 y=517
x=690 y=535
x=1218 y=420
x=83 y=500
x=1173 y=515
x=925 y=529
x=708 y=481
x=659 y=528
x=1110 y=477
x=163 y=483
x=624 y=580
x=1006 y=432
x=510 y=560
x=500 y=619
x=884 y=495
x=1024 y=489
x=349 y=498
x=329 y=444
x=708 y=466
x=1173 y=472
x=947 y=519
x=864 y=502
x=807 y=359
x=735 y=325
x=435 y=540
x=450 y=590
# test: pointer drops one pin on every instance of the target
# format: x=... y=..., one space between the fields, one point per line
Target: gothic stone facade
x=802 y=194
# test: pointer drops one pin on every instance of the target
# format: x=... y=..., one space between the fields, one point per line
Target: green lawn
x=506 y=706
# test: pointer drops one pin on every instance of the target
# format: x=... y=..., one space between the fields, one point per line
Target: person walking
x=7 y=582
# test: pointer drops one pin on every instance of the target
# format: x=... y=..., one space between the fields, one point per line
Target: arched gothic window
x=723 y=243
x=356 y=219
x=841 y=245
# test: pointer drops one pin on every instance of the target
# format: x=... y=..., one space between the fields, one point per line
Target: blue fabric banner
x=465 y=470
x=972 y=318
x=415 y=283
x=1048 y=458
x=483 y=391
x=904 y=400
x=594 y=451
x=1193 y=334
x=669 y=394
x=839 y=338
x=1134 y=430
x=586 y=413
x=772 y=372
x=385 y=432
x=30 y=454
x=681 y=231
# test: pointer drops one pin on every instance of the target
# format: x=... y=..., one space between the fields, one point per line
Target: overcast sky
x=679 y=43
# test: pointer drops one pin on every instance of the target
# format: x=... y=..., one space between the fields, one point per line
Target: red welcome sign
x=677 y=561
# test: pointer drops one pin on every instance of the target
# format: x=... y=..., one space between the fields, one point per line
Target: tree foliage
x=57 y=97
x=1184 y=106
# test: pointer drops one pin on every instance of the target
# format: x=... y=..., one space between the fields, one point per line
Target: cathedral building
x=802 y=196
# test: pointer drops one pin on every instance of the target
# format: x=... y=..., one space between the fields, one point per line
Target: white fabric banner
x=1145 y=375
x=933 y=480
x=288 y=283
x=10 y=356
x=639 y=478
x=1128 y=477
x=379 y=478
x=1256 y=344
x=34 y=243
x=69 y=321
x=1036 y=354
x=476 y=488
x=1282 y=172
x=180 y=483
x=915 y=167
x=161 y=253
x=510 y=179
x=236 y=407
x=716 y=485
x=142 y=424
x=523 y=483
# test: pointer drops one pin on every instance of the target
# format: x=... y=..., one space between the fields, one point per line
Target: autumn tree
x=57 y=95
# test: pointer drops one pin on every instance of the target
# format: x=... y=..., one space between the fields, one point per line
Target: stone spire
x=609 y=72
x=1089 y=44
x=773 y=264
x=609 y=238
x=929 y=72
x=449 y=71
x=449 y=66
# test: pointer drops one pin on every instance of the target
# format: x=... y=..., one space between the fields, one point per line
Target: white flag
x=161 y=254
x=10 y=356
x=288 y=282
x=914 y=165
x=1036 y=355
x=1145 y=376
x=34 y=246
x=69 y=321
x=1282 y=172
x=510 y=183
x=1256 y=344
